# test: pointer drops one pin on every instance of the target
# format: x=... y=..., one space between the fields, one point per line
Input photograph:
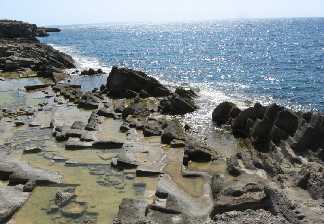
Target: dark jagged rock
x=127 y=83
x=92 y=71
x=177 y=105
x=224 y=112
x=244 y=121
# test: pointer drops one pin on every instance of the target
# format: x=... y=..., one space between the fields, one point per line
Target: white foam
x=82 y=62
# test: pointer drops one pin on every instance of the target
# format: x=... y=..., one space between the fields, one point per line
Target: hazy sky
x=57 y=12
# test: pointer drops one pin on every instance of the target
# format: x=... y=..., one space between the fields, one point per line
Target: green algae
x=103 y=200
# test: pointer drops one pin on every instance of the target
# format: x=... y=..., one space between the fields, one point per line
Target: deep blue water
x=279 y=60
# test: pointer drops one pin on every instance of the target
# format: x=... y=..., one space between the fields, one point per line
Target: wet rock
x=107 y=145
x=12 y=198
x=224 y=113
x=177 y=105
x=172 y=130
x=122 y=81
x=92 y=71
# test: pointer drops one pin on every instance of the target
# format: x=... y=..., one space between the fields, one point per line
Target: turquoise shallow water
x=280 y=60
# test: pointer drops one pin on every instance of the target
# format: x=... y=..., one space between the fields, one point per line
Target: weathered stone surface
x=12 y=198
x=311 y=178
x=132 y=211
x=121 y=81
x=248 y=216
x=20 y=173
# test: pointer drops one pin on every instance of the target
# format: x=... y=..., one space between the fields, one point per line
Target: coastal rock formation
x=20 y=50
x=127 y=83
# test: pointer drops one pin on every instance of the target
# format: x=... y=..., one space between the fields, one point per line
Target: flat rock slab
x=11 y=199
x=18 y=172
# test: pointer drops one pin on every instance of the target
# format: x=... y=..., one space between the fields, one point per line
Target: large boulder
x=121 y=82
x=224 y=112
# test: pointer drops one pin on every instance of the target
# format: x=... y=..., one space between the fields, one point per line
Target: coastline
x=124 y=153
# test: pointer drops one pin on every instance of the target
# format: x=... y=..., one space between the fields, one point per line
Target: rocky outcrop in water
x=127 y=83
x=21 y=51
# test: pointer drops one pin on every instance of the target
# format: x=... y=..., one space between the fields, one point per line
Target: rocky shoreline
x=126 y=140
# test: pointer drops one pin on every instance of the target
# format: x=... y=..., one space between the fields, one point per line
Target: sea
x=240 y=60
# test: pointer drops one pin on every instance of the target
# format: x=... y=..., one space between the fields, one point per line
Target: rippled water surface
x=278 y=60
